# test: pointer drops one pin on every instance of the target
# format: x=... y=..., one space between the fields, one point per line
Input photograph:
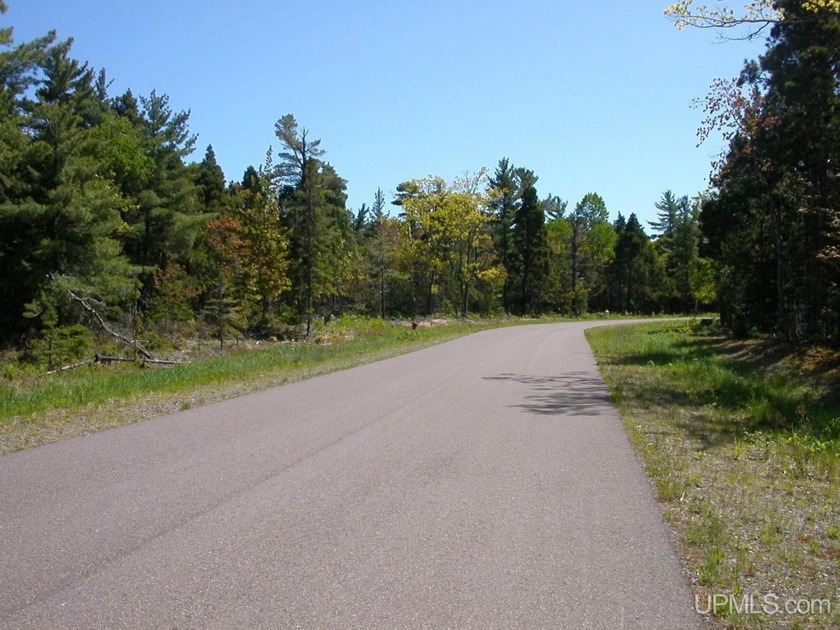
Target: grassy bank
x=742 y=443
x=35 y=409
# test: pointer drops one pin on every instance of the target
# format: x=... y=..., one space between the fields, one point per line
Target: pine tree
x=320 y=228
x=19 y=71
x=165 y=218
x=635 y=273
x=73 y=212
x=678 y=242
x=802 y=106
x=340 y=239
x=530 y=243
x=503 y=187
x=380 y=254
x=775 y=220
x=210 y=182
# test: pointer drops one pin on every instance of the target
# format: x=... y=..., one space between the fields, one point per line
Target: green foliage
x=529 y=259
x=57 y=345
x=318 y=223
x=502 y=191
x=591 y=248
x=678 y=243
x=742 y=443
x=63 y=345
x=636 y=274
x=224 y=313
x=121 y=148
x=209 y=181
x=172 y=309
x=446 y=241
x=521 y=239
x=224 y=303
x=773 y=224
x=254 y=206
x=97 y=200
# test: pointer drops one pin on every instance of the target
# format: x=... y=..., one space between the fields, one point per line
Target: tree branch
x=111 y=331
x=72 y=366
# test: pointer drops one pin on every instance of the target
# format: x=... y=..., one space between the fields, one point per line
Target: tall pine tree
x=530 y=257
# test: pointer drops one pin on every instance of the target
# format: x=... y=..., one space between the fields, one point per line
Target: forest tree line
x=105 y=224
x=773 y=222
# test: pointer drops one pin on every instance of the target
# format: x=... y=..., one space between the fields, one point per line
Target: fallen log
x=72 y=366
x=105 y=359
x=100 y=359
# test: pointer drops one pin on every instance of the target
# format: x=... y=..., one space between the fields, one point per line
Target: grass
x=39 y=409
x=741 y=441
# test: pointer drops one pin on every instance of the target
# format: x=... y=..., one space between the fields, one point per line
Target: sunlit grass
x=742 y=443
x=29 y=402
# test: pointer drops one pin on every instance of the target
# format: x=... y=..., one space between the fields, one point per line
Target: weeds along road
x=482 y=483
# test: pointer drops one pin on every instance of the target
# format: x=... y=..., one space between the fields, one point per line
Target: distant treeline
x=105 y=226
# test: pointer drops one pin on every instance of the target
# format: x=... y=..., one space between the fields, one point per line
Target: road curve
x=482 y=483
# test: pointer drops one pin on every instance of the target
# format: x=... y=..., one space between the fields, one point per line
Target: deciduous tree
x=592 y=243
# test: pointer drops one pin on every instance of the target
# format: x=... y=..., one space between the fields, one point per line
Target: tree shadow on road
x=571 y=394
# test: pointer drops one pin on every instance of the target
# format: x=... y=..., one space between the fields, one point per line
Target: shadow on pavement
x=570 y=394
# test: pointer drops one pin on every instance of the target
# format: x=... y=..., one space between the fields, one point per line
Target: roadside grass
x=36 y=409
x=741 y=440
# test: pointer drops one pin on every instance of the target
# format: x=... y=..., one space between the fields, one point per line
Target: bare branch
x=100 y=359
x=111 y=331
x=72 y=366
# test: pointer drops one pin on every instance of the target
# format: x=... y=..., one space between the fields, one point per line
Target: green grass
x=37 y=409
x=741 y=441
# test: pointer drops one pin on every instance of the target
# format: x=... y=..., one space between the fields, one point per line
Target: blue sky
x=593 y=96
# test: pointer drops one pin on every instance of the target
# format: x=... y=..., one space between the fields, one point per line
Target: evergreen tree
x=19 y=71
x=360 y=219
x=668 y=214
x=380 y=253
x=340 y=240
x=802 y=106
x=503 y=188
x=377 y=273
x=165 y=217
x=738 y=236
x=209 y=180
x=774 y=221
x=530 y=258
x=73 y=211
x=678 y=242
x=320 y=228
x=635 y=273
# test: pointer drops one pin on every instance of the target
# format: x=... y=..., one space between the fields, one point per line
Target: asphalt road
x=482 y=483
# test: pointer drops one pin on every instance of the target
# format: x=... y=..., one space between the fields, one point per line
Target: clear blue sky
x=593 y=96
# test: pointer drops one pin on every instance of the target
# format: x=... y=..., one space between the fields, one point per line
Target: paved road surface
x=482 y=483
